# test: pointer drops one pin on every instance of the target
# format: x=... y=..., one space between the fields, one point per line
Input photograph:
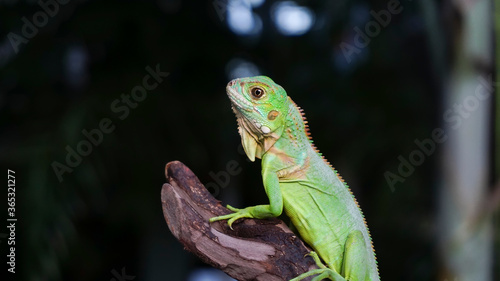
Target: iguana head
x=261 y=107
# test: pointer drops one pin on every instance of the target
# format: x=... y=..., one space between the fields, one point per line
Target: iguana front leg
x=274 y=209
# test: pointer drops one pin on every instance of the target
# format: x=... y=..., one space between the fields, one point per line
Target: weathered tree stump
x=254 y=250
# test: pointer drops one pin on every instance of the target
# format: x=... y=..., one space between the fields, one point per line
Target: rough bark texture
x=254 y=250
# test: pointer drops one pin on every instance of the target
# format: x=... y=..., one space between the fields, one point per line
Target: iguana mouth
x=238 y=100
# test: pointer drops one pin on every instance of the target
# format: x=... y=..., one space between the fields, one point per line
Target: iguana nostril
x=231 y=83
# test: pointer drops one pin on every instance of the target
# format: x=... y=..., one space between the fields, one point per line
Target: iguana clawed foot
x=238 y=214
x=316 y=259
x=323 y=271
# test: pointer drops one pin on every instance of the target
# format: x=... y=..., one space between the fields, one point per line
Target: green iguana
x=299 y=180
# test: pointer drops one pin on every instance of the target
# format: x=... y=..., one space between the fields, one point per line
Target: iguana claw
x=238 y=214
x=316 y=259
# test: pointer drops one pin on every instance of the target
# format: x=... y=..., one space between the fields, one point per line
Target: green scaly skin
x=299 y=180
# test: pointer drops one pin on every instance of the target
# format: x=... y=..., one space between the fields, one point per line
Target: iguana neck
x=296 y=131
x=296 y=128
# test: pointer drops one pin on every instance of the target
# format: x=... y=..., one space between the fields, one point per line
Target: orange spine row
x=308 y=134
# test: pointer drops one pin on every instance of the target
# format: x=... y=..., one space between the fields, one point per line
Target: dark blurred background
x=375 y=78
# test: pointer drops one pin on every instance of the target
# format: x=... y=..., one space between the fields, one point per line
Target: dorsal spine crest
x=305 y=124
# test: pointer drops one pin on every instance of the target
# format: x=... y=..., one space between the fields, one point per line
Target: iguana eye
x=257 y=92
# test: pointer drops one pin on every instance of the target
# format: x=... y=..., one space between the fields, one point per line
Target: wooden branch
x=254 y=250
